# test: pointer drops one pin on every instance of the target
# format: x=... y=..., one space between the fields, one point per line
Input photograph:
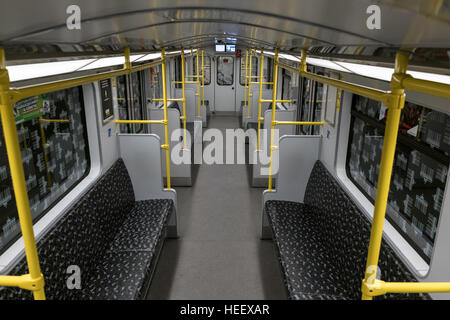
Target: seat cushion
x=125 y=270
x=119 y=276
x=304 y=259
x=323 y=243
x=143 y=227
x=81 y=236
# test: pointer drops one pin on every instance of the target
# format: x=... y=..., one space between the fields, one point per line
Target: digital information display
x=220 y=48
x=231 y=48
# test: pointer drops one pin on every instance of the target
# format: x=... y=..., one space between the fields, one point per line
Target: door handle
x=232 y=88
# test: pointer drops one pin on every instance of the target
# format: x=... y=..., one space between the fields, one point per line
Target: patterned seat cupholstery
x=322 y=244
x=111 y=238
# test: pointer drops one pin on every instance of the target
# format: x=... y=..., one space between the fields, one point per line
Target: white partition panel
x=141 y=154
x=297 y=156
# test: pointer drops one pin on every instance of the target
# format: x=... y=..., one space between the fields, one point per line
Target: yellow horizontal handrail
x=186 y=82
x=142 y=121
x=266 y=101
x=253 y=82
x=380 y=287
x=177 y=99
x=54 y=120
x=425 y=86
x=22 y=93
x=24 y=281
x=374 y=94
x=299 y=123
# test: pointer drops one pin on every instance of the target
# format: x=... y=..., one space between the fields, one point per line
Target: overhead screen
x=230 y=47
x=220 y=48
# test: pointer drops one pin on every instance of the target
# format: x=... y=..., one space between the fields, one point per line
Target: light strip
x=39 y=70
x=381 y=73
x=104 y=62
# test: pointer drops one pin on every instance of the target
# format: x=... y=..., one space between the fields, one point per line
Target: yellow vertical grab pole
x=198 y=87
x=18 y=180
x=166 y=123
x=203 y=80
x=245 y=79
x=249 y=77
x=396 y=104
x=260 y=98
x=184 y=97
x=274 y=102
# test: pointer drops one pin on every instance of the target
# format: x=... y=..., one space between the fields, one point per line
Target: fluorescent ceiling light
x=135 y=57
x=381 y=73
x=430 y=76
x=325 y=64
x=104 y=62
x=150 y=56
x=39 y=70
x=289 y=57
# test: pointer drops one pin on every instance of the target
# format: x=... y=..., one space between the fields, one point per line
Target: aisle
x=219 y=254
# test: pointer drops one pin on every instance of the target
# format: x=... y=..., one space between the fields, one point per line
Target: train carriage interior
x=225 y=150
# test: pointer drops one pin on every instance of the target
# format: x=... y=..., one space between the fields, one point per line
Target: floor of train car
x=219 y=254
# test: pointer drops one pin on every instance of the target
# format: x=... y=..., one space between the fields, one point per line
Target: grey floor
x=219 y=254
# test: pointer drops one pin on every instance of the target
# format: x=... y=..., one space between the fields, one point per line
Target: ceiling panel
x=289 y=23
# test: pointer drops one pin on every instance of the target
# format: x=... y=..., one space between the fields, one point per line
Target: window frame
x=57 y=200
x=254 y=70
x=408 y=142
x=217 y=72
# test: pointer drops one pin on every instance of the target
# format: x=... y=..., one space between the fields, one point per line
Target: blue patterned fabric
x=322 y=244
x=107 y=234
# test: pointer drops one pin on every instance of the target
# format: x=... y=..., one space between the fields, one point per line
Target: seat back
x=345 y=232
x=81 y=236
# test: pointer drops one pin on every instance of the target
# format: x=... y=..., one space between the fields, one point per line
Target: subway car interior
x=225 y=150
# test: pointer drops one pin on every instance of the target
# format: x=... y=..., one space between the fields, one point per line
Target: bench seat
x=322 y=244
x=112 y=238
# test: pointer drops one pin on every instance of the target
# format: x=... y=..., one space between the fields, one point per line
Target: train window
x=311 y=104
x=136 y=99
x=268 y=72
x=319 y=98
x=225 y=71
x=155 y=81
x=55 y=155
x=207 y=67
x=122 y=102
x=286 y=92
x=177 y=72
x=420 y=169
x=305 y=106
x=255 y=69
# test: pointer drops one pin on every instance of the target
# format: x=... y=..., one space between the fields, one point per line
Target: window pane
x=305 y=112
x=420 y=166
x=255 y=69
x=225 y=71
x=122 y=101
x=137 y=103
x=206 y=65
x=55 y=155
x=318 y=106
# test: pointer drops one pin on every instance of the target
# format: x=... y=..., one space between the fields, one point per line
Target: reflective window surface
x=225 y=71
x=206 y=66
x=53 y=140
x=420 y=167
x=255 y=69
x=122 y=102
